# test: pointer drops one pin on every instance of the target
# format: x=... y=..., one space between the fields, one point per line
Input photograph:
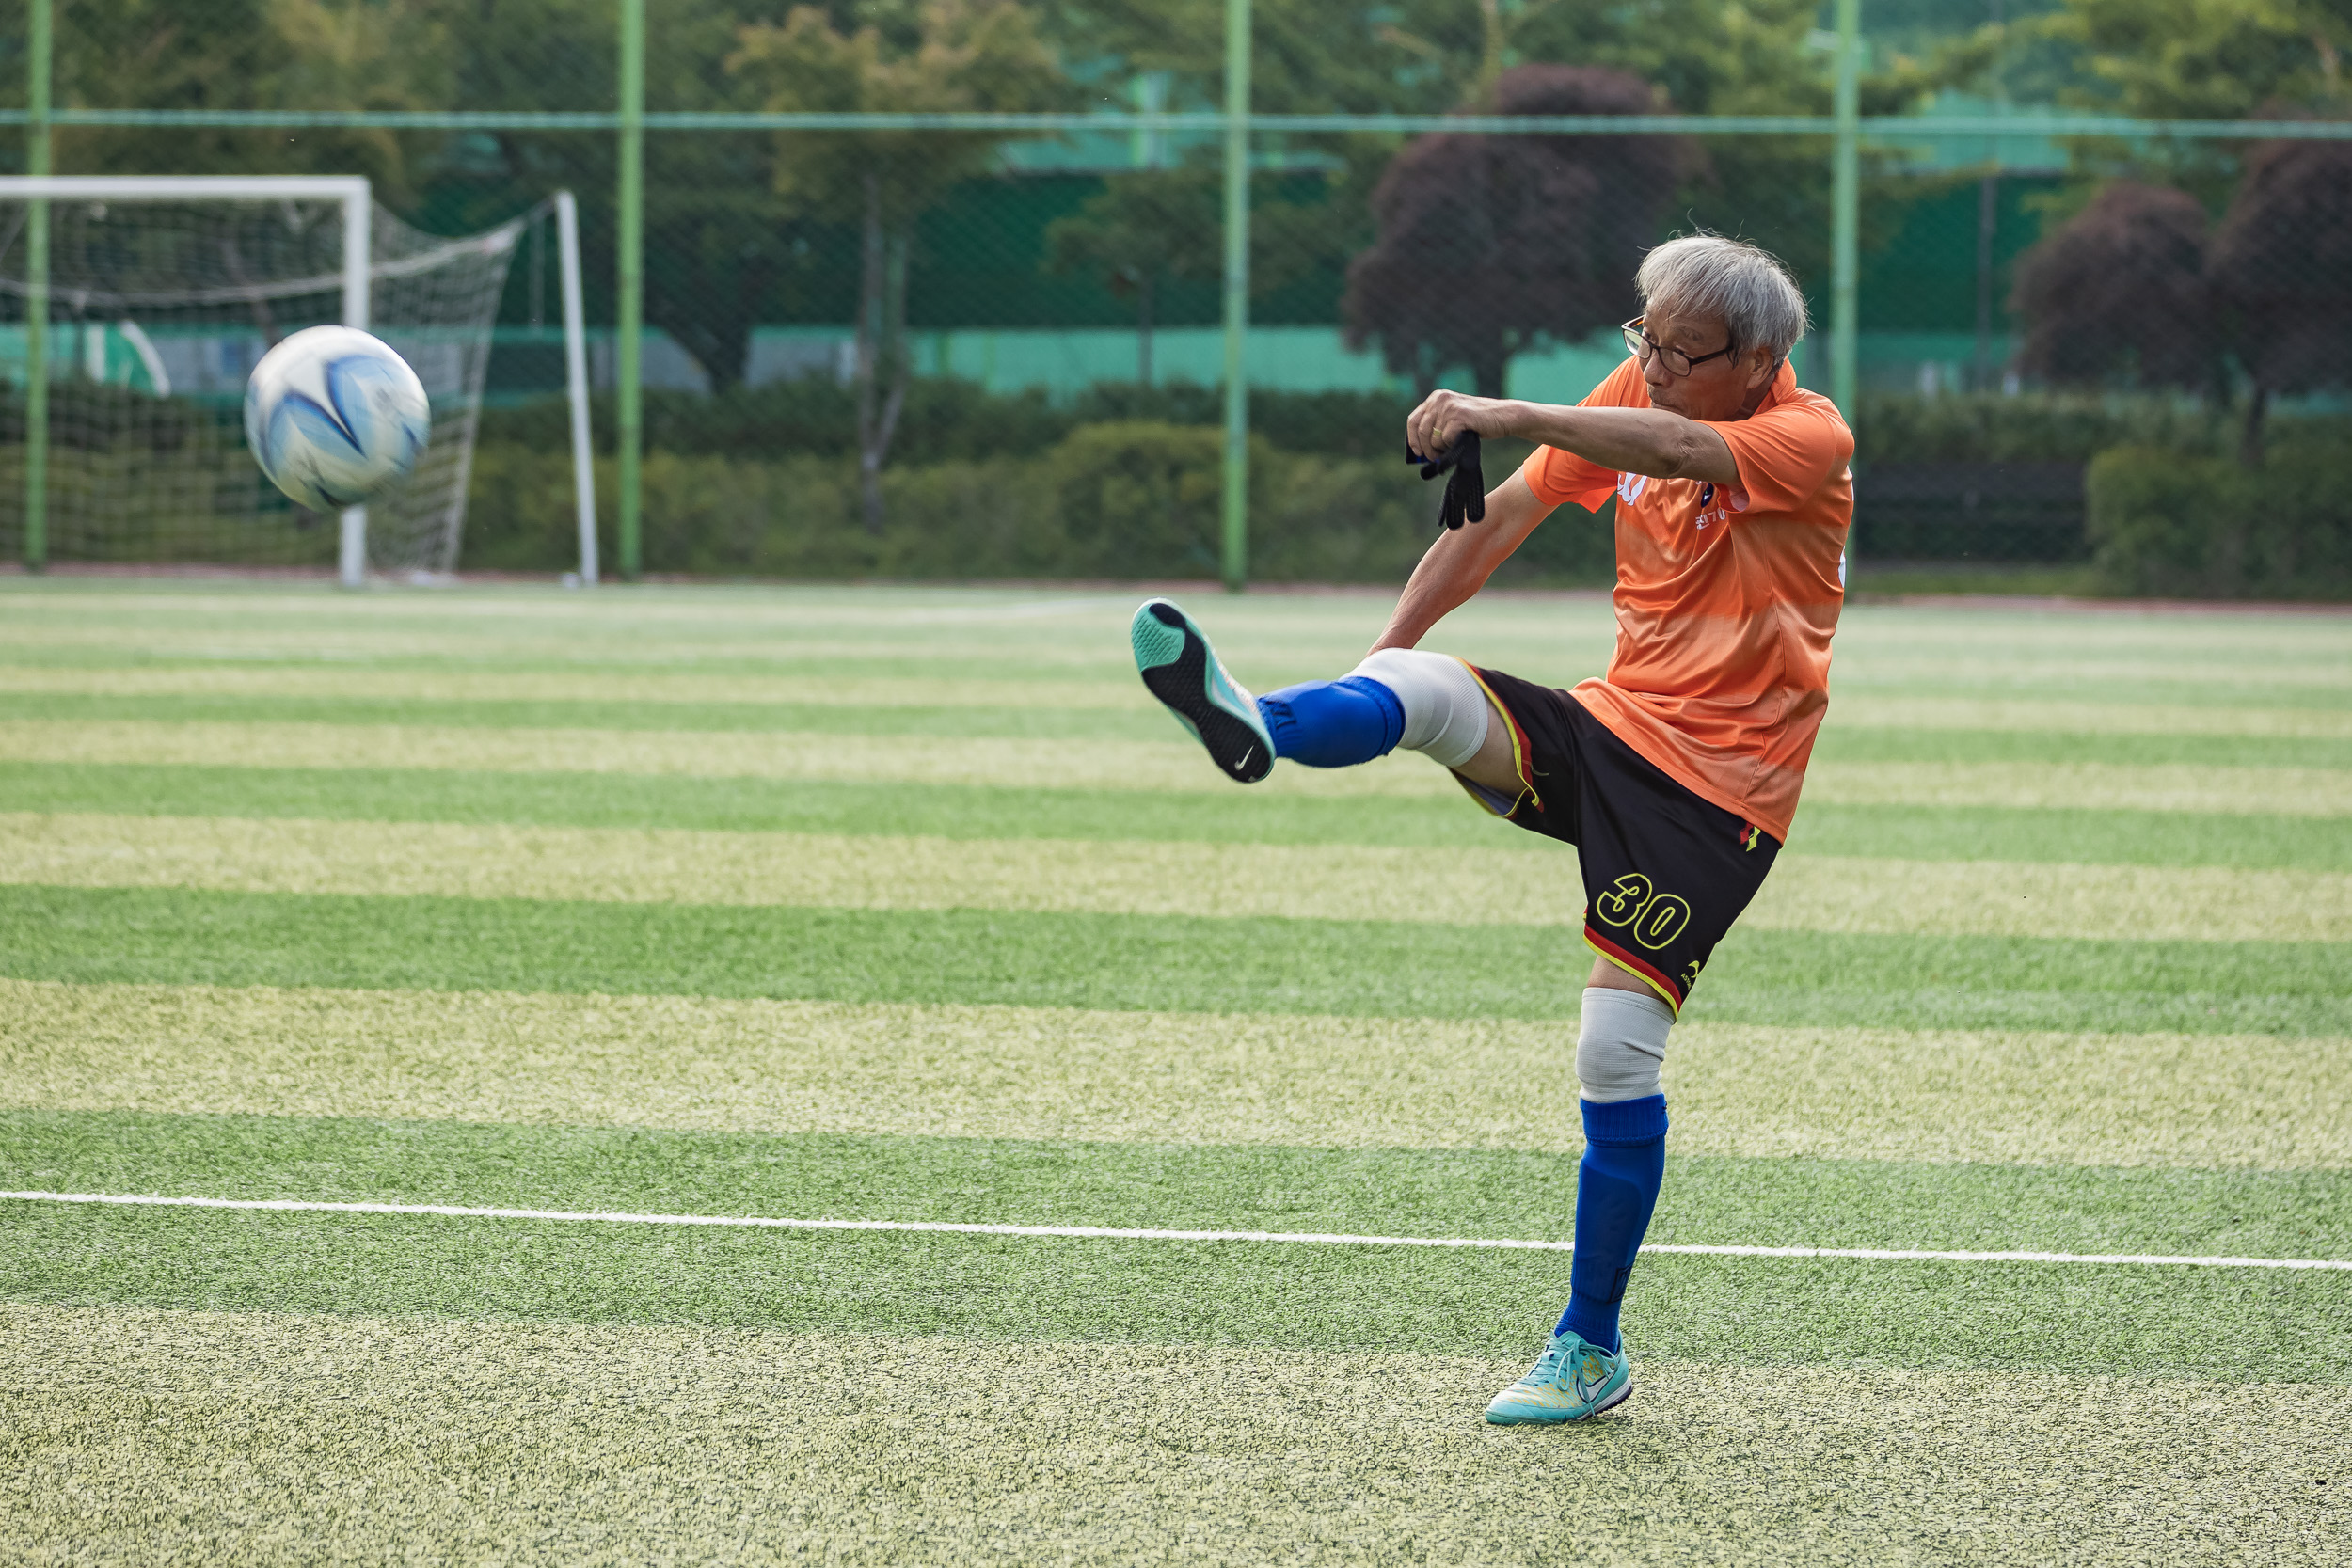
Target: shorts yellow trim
x=1664 y=994
x=1519 y=763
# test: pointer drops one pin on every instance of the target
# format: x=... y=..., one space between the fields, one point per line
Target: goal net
x=159 y=303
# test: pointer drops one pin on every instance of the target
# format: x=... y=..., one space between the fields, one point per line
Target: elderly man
x=1675 y=775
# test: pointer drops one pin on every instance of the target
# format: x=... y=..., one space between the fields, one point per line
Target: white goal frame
x=357 y=198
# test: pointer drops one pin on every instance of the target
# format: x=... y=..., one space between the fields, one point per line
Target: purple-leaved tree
x=1492 y=245
x=2119 y=290
x=2137 y=287
x=2280 y=264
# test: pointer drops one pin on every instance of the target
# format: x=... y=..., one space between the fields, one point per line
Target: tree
x=716 y=234
x=2205 y=59
x=241 y=55
x=2165 y=59
x=1306 y=56
x=2278 y=264
x=1138 y=229
x=2119 y=291
x=1489 y=244
x=953 y=55
x=2133 y=286
x=248 y=55
x=1424 y=57
x=1144 y=228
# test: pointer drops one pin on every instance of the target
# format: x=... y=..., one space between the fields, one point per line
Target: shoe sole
x=1535 y=1417
x=1175 y=663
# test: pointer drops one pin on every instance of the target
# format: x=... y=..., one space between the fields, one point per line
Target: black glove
x=1466 y=489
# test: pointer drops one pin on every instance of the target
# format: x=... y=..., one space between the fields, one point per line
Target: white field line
x=1100 y=1232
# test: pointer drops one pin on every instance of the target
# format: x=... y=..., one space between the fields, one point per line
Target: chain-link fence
x=875 y=349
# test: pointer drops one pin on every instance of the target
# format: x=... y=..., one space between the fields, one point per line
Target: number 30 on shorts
x=1655 y=918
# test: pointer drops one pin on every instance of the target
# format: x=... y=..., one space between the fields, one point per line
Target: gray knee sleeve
x=1445 y=707
x=1620 y=1044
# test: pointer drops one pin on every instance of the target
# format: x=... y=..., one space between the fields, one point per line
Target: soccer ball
x=335 y=418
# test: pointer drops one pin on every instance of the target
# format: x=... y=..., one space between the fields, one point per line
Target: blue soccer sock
x=1616 y=1187
x=1333 y=723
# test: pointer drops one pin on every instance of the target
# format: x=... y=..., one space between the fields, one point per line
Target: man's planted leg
x=1621 y=1044
x=1423 y=702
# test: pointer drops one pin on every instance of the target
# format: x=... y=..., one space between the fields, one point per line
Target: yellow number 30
x=1656 y=918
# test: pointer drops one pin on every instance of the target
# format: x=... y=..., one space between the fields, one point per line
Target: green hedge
x=1127 y=500
x=947 y=419
x=2189 y=526
x=761 y=484
x=2036 y=427
x=1122 y=483
x=132 y=504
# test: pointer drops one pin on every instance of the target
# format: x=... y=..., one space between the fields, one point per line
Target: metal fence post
x=630 y=326
x=37 y=160
x=1845 y=223
x=1236 y=553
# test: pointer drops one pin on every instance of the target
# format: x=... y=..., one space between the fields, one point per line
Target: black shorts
x=1665 y=872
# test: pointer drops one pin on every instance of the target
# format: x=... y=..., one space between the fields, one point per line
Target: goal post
x=220 y=268
x=576 y=381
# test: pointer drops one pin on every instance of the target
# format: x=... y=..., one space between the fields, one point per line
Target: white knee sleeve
x=1620 y=1044
x=1445 y=707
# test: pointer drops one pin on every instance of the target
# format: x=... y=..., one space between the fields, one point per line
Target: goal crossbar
x=352 y=190
x=357 y=197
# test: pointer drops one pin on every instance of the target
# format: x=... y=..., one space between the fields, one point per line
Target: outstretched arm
x=1649 y=441
x=1460 y=564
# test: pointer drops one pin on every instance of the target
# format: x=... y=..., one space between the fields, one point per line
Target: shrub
x=951 y=420
x=956 y=420
x=1142 y=499
x=723 y=517
x=2200 y=527
x=1339 y=520
x=2041 y=427
x=805 y=418
x=1130 y=499
x=1331 y=424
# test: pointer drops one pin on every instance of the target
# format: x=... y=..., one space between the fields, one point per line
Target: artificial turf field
x=909 y=906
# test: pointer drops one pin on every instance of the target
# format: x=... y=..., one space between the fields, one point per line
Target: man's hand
x=1430 y=429
x=1466 y=479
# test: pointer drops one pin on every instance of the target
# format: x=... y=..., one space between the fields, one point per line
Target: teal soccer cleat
x=1570 y=1381
x=1180 y=669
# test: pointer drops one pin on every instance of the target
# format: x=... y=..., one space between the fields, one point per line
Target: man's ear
x=1765 y=367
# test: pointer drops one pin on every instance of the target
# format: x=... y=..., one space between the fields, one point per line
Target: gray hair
x=1706 y=275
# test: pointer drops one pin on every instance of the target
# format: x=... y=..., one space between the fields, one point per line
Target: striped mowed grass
x=908 y=906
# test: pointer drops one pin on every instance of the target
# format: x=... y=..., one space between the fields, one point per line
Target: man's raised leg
x=1397 y=697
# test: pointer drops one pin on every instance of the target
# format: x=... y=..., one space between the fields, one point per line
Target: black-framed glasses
x=1641 y=345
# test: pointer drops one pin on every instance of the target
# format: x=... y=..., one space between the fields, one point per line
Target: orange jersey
x=1726 y=597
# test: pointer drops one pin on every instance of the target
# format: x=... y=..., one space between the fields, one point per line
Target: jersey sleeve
x=1787 y=452
x=1557 y=476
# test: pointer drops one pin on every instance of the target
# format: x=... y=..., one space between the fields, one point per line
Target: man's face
x=1721 y=389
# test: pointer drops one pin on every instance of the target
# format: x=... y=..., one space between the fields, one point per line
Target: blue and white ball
x=335 y=418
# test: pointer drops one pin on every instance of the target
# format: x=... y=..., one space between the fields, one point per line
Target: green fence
x=1062 y=254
